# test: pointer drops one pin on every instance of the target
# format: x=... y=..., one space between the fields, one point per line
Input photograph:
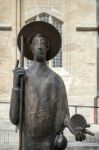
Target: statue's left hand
x=81 y=134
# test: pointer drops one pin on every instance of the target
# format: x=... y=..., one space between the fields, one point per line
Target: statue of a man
x=46 y=110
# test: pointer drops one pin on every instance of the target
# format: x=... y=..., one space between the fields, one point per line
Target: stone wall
x=79 y=48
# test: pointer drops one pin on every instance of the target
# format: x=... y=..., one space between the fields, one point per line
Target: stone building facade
x=77 y=61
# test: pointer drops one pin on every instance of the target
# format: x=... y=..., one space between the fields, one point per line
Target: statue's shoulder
x=57 y=82
x=29 y=70
x=56 y=78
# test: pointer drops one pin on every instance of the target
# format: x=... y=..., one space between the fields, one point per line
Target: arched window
x=44 y=17
x=57 y=61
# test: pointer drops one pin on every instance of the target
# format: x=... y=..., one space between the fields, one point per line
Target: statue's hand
x=80 y=135
x=18 y=73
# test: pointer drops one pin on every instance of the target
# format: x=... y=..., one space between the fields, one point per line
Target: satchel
x=60 y=142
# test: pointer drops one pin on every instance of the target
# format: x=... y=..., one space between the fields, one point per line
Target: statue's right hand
x=18 y=73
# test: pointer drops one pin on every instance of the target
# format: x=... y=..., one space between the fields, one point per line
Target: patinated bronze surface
x=46 y=110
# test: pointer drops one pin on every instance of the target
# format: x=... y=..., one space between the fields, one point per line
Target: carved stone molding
x=48 y=10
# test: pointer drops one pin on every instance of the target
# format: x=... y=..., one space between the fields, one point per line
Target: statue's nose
x=39 y=48
x=39 y=44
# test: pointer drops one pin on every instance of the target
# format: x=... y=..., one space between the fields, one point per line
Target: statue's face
x=39 y=47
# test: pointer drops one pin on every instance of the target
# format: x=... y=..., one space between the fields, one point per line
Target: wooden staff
x=21 y=94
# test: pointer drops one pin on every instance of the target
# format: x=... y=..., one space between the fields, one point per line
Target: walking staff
x=21 y=94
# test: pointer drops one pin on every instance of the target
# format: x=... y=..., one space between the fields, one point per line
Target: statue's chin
x=40 y=58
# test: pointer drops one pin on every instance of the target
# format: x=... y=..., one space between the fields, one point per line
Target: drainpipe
x=95 y=109
x=97 y=61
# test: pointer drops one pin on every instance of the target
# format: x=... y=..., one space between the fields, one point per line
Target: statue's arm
x=67 y=120
x=15 y=96
x=15 y=106
x=79 y=136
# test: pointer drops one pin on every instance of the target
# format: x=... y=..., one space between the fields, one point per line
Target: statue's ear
x=30 y=44
x=31 y=47
x=48 y=47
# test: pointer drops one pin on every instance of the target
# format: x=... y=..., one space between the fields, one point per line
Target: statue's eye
x=34 y=42
x=43 y=41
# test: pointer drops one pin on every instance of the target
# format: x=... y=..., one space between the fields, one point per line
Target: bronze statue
x=45 y=107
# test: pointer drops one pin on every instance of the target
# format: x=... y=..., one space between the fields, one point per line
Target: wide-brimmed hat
x=48 y=30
